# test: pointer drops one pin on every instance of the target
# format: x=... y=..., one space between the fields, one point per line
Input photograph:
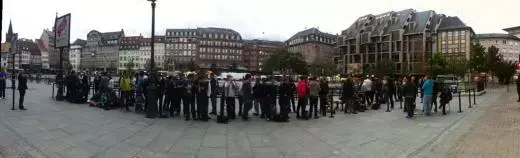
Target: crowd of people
x=191 y=96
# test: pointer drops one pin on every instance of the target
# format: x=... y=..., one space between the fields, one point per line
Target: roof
x=180 y=30
x=512 y=28
x=496 y=36
x=79 y=42
x=311 y=31
x=452 y=22
x=263 y=42
x=112 y=35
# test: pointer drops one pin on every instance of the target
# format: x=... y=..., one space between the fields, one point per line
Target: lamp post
x=151 y=109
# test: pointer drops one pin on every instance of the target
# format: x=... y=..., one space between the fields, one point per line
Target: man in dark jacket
x=517 y=81
x=291 y=96
x=348 y=96
x=409 y=93
x=256 y=96
x=323 y=94
x=285 y=91
x=247 y=97
x=22 y=87
x=203 y=98
x=189 y=90
x=213 y=94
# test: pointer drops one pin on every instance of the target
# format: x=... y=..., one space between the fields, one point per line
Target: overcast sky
x=278 y=19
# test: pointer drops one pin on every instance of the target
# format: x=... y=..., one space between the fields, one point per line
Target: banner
x=62 y=31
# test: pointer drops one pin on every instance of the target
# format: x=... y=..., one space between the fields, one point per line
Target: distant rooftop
x=496 y=36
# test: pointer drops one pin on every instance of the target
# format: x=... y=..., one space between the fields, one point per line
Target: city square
x=60 y=129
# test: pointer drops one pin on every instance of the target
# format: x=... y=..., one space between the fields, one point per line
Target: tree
x=504 y=70
x=385 y=67
x=192 y=66
x=478 y=58
x=437 y=65
x=493 y=58
x=285 y=61
x=457 y=67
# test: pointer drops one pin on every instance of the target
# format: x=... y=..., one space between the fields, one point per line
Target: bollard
x=474 y=96
x=469 y=97
x=460 y=106
x=52 y=94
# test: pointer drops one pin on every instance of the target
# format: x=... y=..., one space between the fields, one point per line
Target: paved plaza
x=61 y=129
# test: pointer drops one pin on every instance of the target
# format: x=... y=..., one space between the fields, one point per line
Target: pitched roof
x=496 y=36
x=5 y=47
x=311 y=31
x=41 y=45
x=512 y=28
x=79 y=42
x=112 y=35
x=263 y=42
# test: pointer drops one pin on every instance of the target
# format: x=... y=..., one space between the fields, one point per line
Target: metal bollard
x=469 y=97
x=460 y=106
x=474 y=96
x=52 y=94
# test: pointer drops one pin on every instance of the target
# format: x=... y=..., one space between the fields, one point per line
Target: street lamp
x=151 y=109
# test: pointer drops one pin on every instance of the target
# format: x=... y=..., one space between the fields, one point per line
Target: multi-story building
x=44 y=52
x=206 y=47
x=75 y=53
x=255 y=52
x=129 y=52
x=23 y=53
x=35 y=60
x=313 y=45
x=453 y=38
x=508 y=45
x=145 y=50
x=101 y=51
x=515 y=31
x=4 y=53
x=407 y=38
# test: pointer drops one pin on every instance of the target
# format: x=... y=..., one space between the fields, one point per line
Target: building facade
x=129 y=52
x=23 y=53
x=313 y=45
x=406 y=38
x=508 y=45
x=44 y=54
x=75 y=54
x=35 y=61
x=256 y=52
x=5 y=52
x=145 y=51
x=205 y=47
x=101 y=51
x=515 y=31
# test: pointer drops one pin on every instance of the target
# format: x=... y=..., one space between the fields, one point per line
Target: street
x=61 y=129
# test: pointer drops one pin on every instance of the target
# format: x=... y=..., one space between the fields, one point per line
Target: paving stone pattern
x=60 y=129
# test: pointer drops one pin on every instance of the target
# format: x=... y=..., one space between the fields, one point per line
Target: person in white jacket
x=230 y=92
x=369 y=92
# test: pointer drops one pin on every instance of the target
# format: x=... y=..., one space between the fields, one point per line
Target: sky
x=253 y=19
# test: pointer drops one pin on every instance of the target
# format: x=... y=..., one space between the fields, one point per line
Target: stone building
x=101 y=51
x=129 y=52
x=145 y=51
x=313 y=45
x=508 y=45
x=406 y=38
x=75 y=54
x=256 y=52
x=206 y=47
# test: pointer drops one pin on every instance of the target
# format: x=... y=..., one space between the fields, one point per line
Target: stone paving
x=496 y=134
x=60 y=129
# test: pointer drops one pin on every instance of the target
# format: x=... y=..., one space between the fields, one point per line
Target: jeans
x=284 y=106
x=213 y=98
x=314 y=106
x=389 y=100
x=248 y=104
x=256 y=105
x=188 y=106
x=125 y=99
x=230 y=109
x=408 y=103
x=240 y=105
x=427 y=104
x=202 y=107
x=323 y=104
x=302 y=105
x=2 y=88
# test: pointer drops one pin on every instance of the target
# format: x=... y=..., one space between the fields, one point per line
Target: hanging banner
x=62 y=31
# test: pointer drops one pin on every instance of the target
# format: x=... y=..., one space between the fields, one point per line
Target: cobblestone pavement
x=496 y=134
x=60 y=129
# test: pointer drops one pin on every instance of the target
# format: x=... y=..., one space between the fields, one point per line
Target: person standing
x=291 y=95
x=247 y=97
x=230 y=92
x=272 y=92
x=256 y=96
x=203 y=94
x=285 y=91
x=388 y=89
x=314 y=89
x=3 y=84
x=427 y=91
x=178 y=91
x=22 y=87
x=445 y=97
x=126 y=90
x=187 y=97
x=409 y=93
x=324 y=93
x=517 y=81
x=213 y=93
x=366 y=87
x=348 y=96
x=302 y=88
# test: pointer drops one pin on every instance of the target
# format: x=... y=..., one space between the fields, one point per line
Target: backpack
x=302 y=89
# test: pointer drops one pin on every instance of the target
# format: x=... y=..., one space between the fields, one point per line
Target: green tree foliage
x=385 y=67
x=457 y=67
x=192 y=66
x=504 y=70
x=478 y=58
x=437 y=65
x=493 y=58
x=130 y=65
x=285 y=61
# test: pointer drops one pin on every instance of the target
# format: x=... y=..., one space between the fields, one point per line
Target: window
x=462 y=33
x=450 y=34
x=450 y=41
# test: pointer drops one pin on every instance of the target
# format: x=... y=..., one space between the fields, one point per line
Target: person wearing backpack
x=126 y=91
x=302 y=88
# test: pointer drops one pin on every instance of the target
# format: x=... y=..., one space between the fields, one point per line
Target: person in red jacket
x=302 y=88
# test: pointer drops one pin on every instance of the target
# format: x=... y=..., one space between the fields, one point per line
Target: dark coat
x=22 y=83
x=409 y=90
x=285 y=90
x=348 y=90
x=324 y=88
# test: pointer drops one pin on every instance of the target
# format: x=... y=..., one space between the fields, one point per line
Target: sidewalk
x=496 y=134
